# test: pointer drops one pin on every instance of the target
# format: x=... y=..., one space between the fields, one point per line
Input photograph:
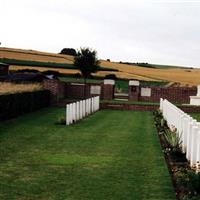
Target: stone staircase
x=121 y=96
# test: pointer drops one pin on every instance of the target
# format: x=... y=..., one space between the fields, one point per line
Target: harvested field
x=182 y=76
x=42 y=69
x=10 y=88
x=32 y=55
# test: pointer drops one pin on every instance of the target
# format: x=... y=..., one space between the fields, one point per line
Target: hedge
x=13 y=105
x=46 y=64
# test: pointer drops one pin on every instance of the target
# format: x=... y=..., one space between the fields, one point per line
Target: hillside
x=183 y=76
x=32 y=55
x=174 y=74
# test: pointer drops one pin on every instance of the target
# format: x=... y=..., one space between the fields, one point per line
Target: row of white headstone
x=188 y=130
x=80 y=109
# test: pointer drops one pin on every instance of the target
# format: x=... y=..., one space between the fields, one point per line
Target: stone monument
x=195 y=100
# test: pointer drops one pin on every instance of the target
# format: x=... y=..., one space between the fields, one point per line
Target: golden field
x=32 y=55
x=183 y=76
x=42 y=69
x=10 y=88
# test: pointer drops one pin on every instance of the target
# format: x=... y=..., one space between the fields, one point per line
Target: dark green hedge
x=46 y=64
x=13 y=105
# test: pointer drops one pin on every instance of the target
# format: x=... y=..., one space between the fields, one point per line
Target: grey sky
x=154 y=31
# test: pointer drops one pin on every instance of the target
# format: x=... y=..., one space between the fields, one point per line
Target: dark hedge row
x=13 y=105
x=46 y=64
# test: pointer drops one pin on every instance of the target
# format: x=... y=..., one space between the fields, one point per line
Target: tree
x=86 y=61
x=68 y=51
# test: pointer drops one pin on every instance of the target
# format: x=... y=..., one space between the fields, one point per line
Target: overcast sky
x=154 y=31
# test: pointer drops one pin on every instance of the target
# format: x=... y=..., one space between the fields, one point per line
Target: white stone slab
x=71 y=113
x=195 y=100
x=134 y=83
x=81 y=109
x=145 y=92
x=67 y=115
x=95 y=89
x=198 y=90
x=109 y=82
x=74 y=119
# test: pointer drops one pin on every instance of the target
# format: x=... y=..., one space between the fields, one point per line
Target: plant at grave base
x=173 y=140
x=61 y=120
x=163 y=125
x=157 y=116
x=118 y=90
x=173 y=128
x=190 y=181
x=159 y=121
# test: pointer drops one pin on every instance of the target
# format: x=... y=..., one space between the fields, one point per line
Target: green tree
x=68 y=51
x=86 y=61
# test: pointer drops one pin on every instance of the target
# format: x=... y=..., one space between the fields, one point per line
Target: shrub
x=27 y=71
x=159 y=121
x=110 y=76
x=87 y=62
x=190 y=180
x=68 y=51
x=173 y=140
x=13 y=105
x=61 y=120
x=77 y=75
x=52 y=72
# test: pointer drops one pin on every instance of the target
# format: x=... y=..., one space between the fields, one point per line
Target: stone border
x=136 y=107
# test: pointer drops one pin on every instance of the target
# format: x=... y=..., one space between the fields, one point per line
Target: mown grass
x=195 y=116
x=110 y=155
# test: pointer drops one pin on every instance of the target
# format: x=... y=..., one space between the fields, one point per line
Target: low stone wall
x=60 y=90
x=128 y=107
x=77 y=91
x=153 y=94
x=57 y=89
x=190 y=109
x=136 y=107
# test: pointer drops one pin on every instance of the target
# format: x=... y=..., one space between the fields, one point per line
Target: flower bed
x=186 y=181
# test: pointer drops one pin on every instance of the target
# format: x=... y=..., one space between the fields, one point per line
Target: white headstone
x=74 y=119
x=84 y=108
x=198 y=90
x=67 y=114
x=77 y=110
x=81 y=109
x=71 y=113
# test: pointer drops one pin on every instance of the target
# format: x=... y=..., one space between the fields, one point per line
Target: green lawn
x=195 y=116
x=110 y=155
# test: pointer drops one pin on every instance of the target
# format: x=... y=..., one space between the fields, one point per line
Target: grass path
x=110 y=155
